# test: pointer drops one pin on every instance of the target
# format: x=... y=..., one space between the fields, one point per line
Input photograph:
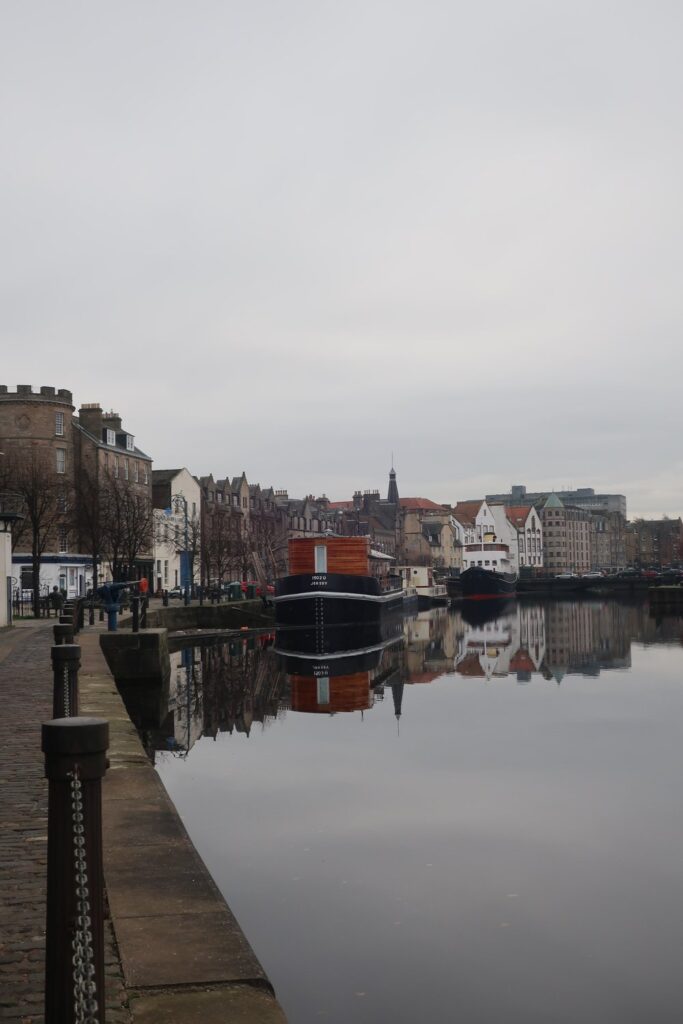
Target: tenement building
x=84 y=489
x=567 y=537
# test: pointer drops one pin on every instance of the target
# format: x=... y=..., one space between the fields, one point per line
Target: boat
x=336 y=581
x=420 y=579
x=488 y=573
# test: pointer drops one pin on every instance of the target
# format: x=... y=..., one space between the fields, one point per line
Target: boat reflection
x=251 y=681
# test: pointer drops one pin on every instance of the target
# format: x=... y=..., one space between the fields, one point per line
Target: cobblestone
x=25 y=688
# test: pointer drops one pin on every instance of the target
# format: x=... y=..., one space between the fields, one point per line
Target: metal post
x=75 y=762
x=63 y=634
x=66 y=620
x=81 y=614
x=135 y=603
x=144 y=605
x=164 y=598
x=91 y=614
x=66 y=661
x=101 y=613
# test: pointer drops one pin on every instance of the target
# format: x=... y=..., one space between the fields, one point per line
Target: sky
x=295 y=238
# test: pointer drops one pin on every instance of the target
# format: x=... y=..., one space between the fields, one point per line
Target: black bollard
x=144 y=605
x=201 y=596
x=135 y=605
x=66 y=620
x=91 y=614
x=63 y=633
x=101 y=613
x=81 y=614
x=164 y=598
x=75 y=762
x=66 y=661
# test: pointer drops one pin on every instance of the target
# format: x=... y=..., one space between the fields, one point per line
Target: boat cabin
x=350 y=556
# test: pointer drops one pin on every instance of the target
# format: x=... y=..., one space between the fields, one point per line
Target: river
x=471 y=820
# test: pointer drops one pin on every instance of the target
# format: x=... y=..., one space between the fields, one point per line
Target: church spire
x=392 y=496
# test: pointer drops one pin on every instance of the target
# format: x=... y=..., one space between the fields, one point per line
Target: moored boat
x=334 y=581
x=419 y=579
x=488 y=572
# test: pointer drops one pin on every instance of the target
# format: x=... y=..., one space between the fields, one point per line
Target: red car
x=270 y=589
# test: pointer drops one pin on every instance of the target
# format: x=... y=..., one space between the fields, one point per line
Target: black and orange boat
x=335 y=581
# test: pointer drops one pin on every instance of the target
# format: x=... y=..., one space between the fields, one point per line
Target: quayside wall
x=184 y=956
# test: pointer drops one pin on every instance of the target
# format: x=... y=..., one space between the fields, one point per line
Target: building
x=657 y=542
x=113 y=518
x=483 y=523
x=176 y=497
x=567 y=537
x=528 y=524
x=37 y=437
x=84 y=488
x=582 y=497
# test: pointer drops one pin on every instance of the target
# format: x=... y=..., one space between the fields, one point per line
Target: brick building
x=567 y=537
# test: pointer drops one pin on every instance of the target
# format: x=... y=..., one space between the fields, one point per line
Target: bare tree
x=43 y=498
x=88 y=518
x=127 y=524
x=217 y=545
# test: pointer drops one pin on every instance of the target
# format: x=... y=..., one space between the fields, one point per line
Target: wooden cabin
x=331 y=695
x=349 y=556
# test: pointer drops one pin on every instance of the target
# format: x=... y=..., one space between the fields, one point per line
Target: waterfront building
x=581 y=497
x=608 y=541
x=567 y=543
x=527 y=523
x=481 y=522
x=657 y=542
x=89 y=487
x=176 y=496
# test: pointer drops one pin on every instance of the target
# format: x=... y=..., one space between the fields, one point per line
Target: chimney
x=111 y=420
x=90 y=416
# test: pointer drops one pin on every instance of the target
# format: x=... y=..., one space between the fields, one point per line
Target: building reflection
x=248 y=682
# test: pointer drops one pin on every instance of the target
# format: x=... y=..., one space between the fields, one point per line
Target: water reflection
x=233 y=687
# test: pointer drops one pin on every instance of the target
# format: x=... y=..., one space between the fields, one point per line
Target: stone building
x=657 y=542
x=37 y=437
x=72 y=458
x=114 y=473
x=567 y=537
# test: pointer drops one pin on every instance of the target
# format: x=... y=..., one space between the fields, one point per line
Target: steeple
x=392 y=496
x=397 y=694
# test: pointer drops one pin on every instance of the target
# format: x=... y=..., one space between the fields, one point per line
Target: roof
x=553 y=502
x=164 y=476
x=340 y=504
x=466 y=511
x=424 y=503
x=518 y=514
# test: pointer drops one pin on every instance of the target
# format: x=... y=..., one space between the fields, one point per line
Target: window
x=244 y=502
x=61 y=459
x=111 y=437
x=136 y=472
x=166 y=572
x=125 y=469
x=321 y=558
x=145 y=473
x=130 y=442
x=63 y=539
x=62 y=503
x=116 y=467
x=59 y=424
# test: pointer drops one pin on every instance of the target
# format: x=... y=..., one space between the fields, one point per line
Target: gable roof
x=164 y=476
x=466 y=511
x=518 y=514
x=420 y=503
x=554 y=502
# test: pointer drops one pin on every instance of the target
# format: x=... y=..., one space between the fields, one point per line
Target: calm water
x=477 y=822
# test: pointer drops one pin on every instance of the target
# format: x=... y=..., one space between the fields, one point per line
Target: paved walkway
x=26 y=702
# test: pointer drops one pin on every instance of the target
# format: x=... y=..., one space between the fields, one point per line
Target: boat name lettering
x=321 y=670
x=318 y=581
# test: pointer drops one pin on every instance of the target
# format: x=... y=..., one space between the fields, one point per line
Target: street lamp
x=185 y=581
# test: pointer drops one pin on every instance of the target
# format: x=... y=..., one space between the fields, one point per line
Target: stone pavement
x=26 y=695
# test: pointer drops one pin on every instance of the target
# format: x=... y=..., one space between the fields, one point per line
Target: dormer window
x=130 y=442
x=111 y=437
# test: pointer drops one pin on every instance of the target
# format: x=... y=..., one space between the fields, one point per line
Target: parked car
x=270 y=589
x=175 y=592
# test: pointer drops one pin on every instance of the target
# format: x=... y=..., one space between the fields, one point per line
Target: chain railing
x=75 y=762
x=83 y=954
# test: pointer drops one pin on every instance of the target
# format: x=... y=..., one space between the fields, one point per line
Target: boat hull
x=332 y=599
x=482 y=584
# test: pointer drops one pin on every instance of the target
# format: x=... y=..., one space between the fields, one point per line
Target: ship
x=487 y=570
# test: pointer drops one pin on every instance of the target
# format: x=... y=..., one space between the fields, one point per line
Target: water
x=494 y=834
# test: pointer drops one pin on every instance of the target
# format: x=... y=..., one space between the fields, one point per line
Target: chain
x=85 y=989
x=65 y=693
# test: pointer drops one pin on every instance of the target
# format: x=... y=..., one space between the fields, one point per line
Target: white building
x=176 y=496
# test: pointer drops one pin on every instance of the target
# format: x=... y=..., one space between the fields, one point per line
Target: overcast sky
x=292 y=238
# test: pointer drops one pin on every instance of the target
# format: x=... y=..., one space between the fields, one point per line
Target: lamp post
x=176 y=500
